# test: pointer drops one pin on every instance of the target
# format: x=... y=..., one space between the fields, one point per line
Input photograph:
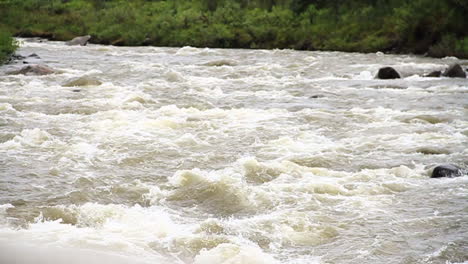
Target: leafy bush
x=7 y=45
x=450 y=46
x=419 y=26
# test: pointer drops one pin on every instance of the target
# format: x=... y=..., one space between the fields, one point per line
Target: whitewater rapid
x=210 y=156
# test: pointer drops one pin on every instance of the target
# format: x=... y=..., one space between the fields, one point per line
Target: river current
x=210 y=156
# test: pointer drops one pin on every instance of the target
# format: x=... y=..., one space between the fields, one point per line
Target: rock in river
x=454 y=71
x=17 y=57
x=223 y=62
x=34 y=55
x=82 y=41
x=446 y=170
x=434 y=74
x=388 y=73
x=34 y=70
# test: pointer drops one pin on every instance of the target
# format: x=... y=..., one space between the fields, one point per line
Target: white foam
x=187 y=50
x=3 y=213
x=27 y=253
x=364 y=75
x=174 y=76
x=108 y=228
x=450 y=58
x=30 y=137
x=234 y=254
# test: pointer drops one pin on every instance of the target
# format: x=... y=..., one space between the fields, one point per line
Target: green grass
x=7 y=46
x=417 y=26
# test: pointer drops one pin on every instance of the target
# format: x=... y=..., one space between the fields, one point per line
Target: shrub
x=8 y=45
x=419 y=26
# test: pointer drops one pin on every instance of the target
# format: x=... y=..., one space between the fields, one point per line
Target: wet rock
x=76 y=90
x=446 y=170
x=82 y=41
x=82 y=81
x=434 y=74
x=17 y=57
x=19 y=202
x=34 y=55
x=388 y=73
x=34 y=70
x=220 y=63
x=432 y=151
x=316 y=96
x=454 y=71
x=388 y=86
x=32 y=39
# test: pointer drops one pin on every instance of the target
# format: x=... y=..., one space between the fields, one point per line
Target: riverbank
x=7 y=46
x=397 y=26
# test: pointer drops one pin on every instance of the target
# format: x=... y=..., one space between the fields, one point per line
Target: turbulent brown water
x=186 y=155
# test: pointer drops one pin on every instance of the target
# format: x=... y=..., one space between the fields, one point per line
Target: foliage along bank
x=7 y=46
x=438 y=28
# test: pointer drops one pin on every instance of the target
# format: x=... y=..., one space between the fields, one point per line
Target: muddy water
x=186 y=155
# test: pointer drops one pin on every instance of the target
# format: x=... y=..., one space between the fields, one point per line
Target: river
x=209 y=156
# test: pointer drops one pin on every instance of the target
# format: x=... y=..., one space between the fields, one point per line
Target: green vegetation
x=7 y=46
x=438 y=28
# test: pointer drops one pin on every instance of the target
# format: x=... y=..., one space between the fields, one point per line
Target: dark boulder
x=34 y=70
x=316 y=96
x=34 y=55
x=14 y=58
x=82 y=41
x=446 y=170
x=434 y=74
x=388 y=73
x=454 y=71
x=17 y=57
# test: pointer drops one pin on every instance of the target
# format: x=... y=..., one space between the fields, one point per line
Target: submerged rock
x=446 y=170
x=454 y=71
x=434 y=74
x=34 y=55
x=221 y=63
x=17 y=57
x=316 y=96
x=82 y=81
x=82 y=41
x=388 y=73
x=34 y=70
